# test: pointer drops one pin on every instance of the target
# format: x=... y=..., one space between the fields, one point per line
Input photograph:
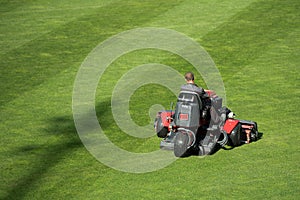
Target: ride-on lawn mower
x=200 y=126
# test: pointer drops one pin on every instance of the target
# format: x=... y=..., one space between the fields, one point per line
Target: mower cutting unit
x=201 y=126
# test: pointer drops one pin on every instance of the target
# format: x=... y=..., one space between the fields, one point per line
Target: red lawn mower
x=201 y=126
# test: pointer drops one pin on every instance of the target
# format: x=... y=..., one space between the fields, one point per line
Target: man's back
x=194 y=88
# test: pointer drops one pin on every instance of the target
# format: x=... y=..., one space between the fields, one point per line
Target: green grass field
x=254 y=43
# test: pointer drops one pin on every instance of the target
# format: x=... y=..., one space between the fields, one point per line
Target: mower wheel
x=184 y=140
x=161 y=131
x=254 y=135
x=181 y=144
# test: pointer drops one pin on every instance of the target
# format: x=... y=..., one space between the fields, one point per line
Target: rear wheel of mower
x=161 y=131
x=181 y=144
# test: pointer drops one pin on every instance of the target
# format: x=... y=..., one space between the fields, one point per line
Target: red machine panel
x=230 y=124
x=166 y=117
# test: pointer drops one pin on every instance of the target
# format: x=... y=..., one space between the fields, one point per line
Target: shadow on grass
x=47 y=155
x=63 y=132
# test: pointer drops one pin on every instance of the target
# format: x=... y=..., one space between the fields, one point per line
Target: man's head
x=189 y=77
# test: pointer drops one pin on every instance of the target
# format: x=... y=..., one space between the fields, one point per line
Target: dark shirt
x=195 y=88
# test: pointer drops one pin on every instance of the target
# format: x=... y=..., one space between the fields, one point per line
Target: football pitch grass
x=254 y=44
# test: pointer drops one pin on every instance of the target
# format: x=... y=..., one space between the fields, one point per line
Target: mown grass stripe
x=42 y=157
x=248 y=34
x=46 y=56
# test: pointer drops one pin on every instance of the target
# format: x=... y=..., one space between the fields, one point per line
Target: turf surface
x=255 y=45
